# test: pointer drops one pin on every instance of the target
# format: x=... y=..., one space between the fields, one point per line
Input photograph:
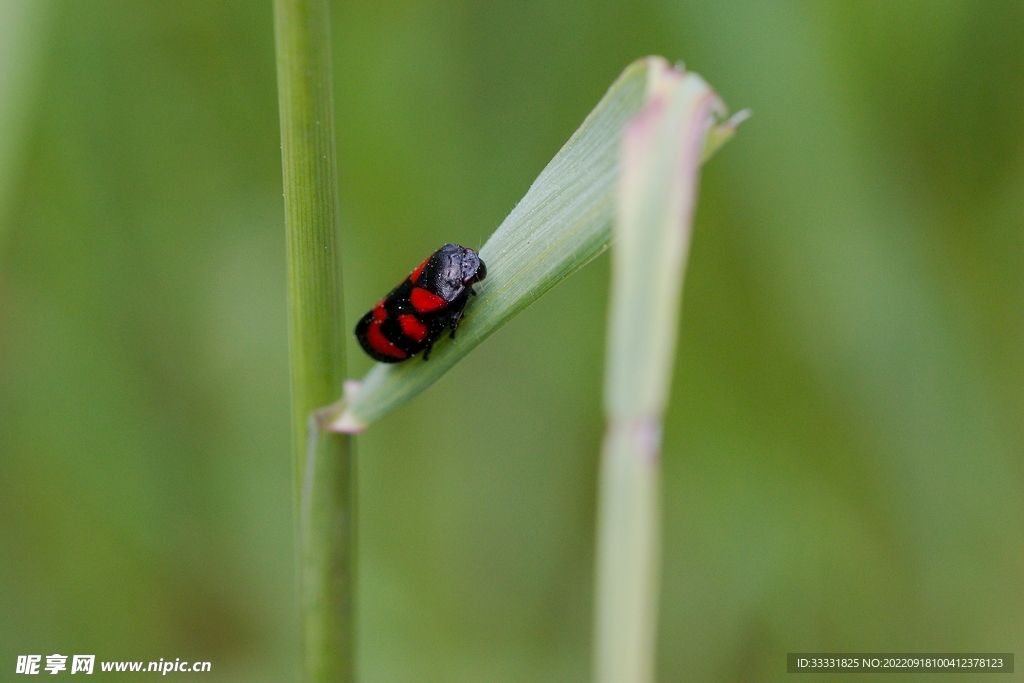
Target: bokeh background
x=843 y=452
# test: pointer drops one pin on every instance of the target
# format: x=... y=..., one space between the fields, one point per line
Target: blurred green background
x=842 y=458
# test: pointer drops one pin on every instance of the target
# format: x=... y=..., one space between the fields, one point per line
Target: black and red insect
x=416 y=313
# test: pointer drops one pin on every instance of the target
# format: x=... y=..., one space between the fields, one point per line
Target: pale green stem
x=24 y=39
x=662 y=150
x=324 y=471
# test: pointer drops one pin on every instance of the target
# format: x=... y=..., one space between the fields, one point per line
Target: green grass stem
x=24 y=26
x=324 y=470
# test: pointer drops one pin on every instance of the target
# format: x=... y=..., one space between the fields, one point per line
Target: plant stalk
x=324 y=468
x=662 y=149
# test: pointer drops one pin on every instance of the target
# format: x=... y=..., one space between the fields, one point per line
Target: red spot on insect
x=380 y=343
x=412 y=328
x=426 y=302
x=379 y=314
x=415 y=275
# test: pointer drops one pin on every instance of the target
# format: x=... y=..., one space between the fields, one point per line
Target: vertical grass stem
x=662 y=151
x=324 y=471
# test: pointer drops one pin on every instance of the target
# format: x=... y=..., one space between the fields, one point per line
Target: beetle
x=414 y=315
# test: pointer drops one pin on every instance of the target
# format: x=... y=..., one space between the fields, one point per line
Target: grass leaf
x=562 y=223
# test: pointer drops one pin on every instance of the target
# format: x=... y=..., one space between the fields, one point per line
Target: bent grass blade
x=561 y=224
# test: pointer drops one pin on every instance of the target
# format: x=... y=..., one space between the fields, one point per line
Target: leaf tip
x=721 y=133
x=739 y=117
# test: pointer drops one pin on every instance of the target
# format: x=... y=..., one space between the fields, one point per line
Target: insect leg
x=453 y=322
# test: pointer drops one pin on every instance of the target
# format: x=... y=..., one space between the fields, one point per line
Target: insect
x=415 y=314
